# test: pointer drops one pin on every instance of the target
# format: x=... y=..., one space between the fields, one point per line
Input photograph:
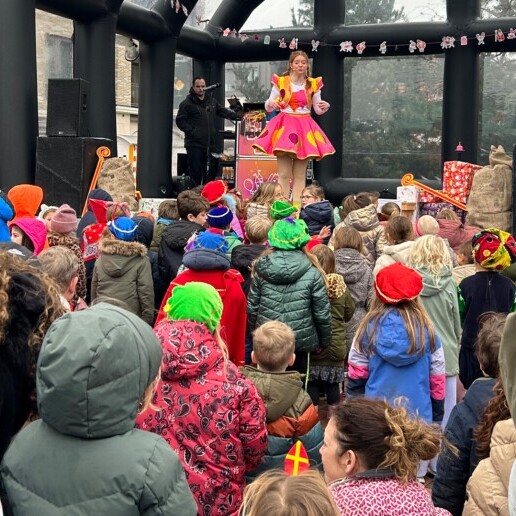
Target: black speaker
x=67 y=107
x=65 y=168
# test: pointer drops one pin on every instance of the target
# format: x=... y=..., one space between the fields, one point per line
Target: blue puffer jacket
x=6 y=214
x=449 y=487
x=317 y=215
x=287 y=287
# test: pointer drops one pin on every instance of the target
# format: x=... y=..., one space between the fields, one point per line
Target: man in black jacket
x=196 y=118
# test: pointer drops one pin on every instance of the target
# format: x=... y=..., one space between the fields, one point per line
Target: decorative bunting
x=346 y=46
x=448 y=42
x=361 y=47
x=176 y=4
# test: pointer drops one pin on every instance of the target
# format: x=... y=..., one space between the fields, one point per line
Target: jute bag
x=116 y=177
x=490 y=198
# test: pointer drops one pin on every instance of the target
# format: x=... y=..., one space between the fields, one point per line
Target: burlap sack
x=116 y=177
x=490 y=198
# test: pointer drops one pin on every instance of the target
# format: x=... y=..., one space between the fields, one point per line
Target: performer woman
x=293 y=135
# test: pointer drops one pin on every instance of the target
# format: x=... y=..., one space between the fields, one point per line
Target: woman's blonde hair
x=384 y=436
x=293 y=55
x=429 y=252
x=277 y=494
x=265 y=194
x=415 y=319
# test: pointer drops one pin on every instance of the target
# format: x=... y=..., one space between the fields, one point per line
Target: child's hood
x=392 y=341
x=189 y=350
x=26 y=200
x=283 y=267
x=363 y=219
x=430 y=287
x=279 y=391
x=320 y=212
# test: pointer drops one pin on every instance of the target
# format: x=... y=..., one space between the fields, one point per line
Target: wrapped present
x=433 y=208
x=407 y=194
x=427 y=197
x=457 y=179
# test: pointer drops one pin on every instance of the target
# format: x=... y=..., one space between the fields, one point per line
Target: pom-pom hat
x=281 y=209
x=214 y=190
x=289 y=233
x=494 y=249
x=64 y=220
x=220 y=217
x=397 y=283
x=195 y=301
x=123 y=228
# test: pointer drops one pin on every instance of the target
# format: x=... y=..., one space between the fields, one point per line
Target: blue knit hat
x=208 y=241
x=220 y=217
x=123 y=228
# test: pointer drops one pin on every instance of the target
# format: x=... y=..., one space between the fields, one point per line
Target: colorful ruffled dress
x=293 y=130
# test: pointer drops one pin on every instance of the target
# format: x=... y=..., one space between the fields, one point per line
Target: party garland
x=447 y=42
x=420 y=45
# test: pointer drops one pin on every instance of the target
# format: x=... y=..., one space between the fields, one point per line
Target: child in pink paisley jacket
x=209 y=413
x=370 y=455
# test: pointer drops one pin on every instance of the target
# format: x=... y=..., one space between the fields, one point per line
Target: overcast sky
x=416 y=10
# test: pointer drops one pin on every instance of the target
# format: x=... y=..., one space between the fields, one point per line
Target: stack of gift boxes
x=457 y=180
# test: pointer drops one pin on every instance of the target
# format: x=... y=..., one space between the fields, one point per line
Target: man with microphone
x=196 y=118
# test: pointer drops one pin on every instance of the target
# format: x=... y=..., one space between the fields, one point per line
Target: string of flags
x=418 y=45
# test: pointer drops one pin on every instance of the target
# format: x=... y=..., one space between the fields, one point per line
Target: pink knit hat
x=64 y=220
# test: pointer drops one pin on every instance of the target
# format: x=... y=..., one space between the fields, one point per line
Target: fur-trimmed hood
x=119 y=247
x=117 y=256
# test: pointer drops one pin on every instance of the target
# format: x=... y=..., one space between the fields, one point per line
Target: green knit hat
x=289 y=233
x=281 y=209
x=195 y=301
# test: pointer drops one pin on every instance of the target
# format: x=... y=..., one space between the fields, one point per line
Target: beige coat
x=463 y=271
x=392 y=254
x=365 y=221
x=487 y=488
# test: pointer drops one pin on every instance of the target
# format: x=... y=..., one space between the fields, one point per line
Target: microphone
x=213 y=86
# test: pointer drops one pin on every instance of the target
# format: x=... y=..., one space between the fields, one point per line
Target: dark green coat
x=123 y=271
x=84 y=456
x=342 y=310
x=287 y=287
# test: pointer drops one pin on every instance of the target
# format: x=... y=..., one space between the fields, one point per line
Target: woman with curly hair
x=370 y=455
x=29 y=303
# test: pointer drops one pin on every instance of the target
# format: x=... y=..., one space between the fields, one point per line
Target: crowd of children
x=160 y=366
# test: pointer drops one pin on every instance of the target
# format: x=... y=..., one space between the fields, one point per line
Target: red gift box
x=457 y=179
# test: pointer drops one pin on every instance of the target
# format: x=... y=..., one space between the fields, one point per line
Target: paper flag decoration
x=296 y=460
